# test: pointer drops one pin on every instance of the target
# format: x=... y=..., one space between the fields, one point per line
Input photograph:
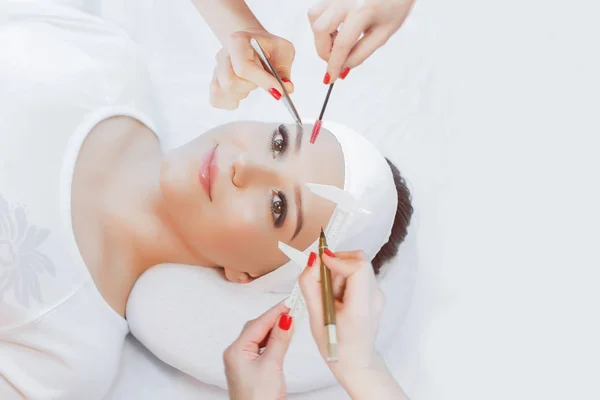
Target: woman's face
x=238 y=189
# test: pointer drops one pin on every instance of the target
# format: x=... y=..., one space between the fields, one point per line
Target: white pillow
x=188 y=315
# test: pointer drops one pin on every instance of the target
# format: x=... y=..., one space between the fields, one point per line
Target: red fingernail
x=345 y=73
x=285 y=322
x=275 y=93
x=327 y=78
x=286 y=80
x=311 y=258
x=329 y=253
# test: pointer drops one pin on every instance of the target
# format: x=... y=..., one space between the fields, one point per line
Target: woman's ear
x=236 y=276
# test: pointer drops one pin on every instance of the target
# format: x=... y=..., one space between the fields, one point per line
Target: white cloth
x=61 y=72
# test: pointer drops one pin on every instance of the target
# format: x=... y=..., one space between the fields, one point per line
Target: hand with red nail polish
x=367 y=25
x=239 y=70
x=359 y=303
x=252 y=374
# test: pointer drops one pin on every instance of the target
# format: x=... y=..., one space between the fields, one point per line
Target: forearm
x=374 y=383
x=227 y=16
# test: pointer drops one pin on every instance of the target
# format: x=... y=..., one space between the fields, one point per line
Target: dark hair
x=404 y=212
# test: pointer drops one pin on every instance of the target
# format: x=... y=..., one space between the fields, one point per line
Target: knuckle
x=214 y=103
x=284 y=70
x=215 y=90
x=231 y=106
x=223 y=104
x=304 y=282
x=238 y=35
x=319 y=29
x=250 y=86
x=312 y=15
x=361 y=255
x=343 y=45
x=221 y=55
x=276 y=337
x=227 y=84
x=243 y=95
x=381 y=40
x=370 y=10
x=241 y=69
x=323 y=51
x=289 y=48
x=272 y=364
x=353 y=63
x=286 y=43
x=228 y=355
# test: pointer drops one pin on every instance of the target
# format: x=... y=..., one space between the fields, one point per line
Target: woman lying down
x=89 y=200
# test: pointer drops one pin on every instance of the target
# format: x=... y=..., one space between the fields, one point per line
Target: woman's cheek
x=248 y=224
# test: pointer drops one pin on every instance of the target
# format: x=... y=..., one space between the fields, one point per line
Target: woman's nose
x=247 y=171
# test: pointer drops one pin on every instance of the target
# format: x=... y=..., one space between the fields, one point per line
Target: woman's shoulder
x=41 y=272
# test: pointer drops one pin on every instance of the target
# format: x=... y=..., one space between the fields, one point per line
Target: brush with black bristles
x=317 y=127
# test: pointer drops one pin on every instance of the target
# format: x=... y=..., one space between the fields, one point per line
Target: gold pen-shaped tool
x=328 y=306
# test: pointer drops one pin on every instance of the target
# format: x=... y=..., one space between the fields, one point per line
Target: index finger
x=247 y=65
x=256 y=330
x=349 y=34
x=357 y=273
x=324 y=28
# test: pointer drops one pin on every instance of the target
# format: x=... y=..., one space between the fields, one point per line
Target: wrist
x=225 y=17
x=370 y=382
x=350 y=373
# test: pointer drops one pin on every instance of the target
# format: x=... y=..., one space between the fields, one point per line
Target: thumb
x=279 y=340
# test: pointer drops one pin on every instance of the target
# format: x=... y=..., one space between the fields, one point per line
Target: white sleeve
x=72 y=352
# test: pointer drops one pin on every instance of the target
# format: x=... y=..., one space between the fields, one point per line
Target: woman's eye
x=278 y=208
x=279 y=141
x=278 y=145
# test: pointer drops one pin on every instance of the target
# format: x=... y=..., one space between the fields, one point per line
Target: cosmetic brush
x=328 y=306
x=317 y=127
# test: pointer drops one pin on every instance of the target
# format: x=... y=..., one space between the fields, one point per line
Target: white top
x=61 y=72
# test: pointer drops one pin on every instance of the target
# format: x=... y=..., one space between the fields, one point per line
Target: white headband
x=363 y=216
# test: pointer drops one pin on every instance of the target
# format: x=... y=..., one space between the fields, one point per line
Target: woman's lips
x=208 y=170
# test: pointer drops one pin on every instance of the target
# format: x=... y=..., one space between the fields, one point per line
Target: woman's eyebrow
x=299 y=133
x=299 y=213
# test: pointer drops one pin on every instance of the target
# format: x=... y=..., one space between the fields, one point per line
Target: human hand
x=358 y=305
x=255 y=375
x=239 y=70
x=378 y=20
